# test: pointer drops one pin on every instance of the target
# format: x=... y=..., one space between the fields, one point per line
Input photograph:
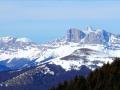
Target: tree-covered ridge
x=104 y=78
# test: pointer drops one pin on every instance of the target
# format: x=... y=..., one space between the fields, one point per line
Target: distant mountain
x=77 y=52
x=90 y=36
x=16 y=53
x=75 y=35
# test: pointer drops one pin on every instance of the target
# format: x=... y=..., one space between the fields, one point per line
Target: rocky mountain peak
x=74 y=35
x=89 y=36
x=89 y=29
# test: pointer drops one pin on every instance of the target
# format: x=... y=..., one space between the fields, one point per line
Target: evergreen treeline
x=104 y=78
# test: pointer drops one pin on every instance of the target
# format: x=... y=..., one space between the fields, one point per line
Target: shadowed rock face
x=97 y=37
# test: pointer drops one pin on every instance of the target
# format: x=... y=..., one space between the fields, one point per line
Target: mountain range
x=24 y=63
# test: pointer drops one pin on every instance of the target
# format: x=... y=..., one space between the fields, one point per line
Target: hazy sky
x=44 y=20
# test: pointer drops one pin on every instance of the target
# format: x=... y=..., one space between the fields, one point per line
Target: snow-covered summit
x=7 y=39
x=14 y=43
x=23 y=40
x=21 y=52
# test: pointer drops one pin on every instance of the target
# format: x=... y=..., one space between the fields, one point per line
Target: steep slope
x=97 y=37
x=41 y=77
x=104 y=78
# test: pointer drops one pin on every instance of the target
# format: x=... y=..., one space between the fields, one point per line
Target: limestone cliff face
x=74 y=35
x=89 y=36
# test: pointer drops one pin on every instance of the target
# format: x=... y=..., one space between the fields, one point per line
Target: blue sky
x=44 y=20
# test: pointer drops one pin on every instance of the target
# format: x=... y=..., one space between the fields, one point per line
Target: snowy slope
x=102 y=47
x=77 y=53
x=92 y=58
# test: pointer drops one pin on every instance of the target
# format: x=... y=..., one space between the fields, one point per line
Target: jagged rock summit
x=89 y=36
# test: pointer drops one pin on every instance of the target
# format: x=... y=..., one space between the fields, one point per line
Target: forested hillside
x=104 y=78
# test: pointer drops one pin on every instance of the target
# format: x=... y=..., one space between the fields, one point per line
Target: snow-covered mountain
x=77 y=52
x=17 y=53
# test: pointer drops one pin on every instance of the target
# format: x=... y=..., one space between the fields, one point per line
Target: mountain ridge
x=60 y=59
x=14 y=49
